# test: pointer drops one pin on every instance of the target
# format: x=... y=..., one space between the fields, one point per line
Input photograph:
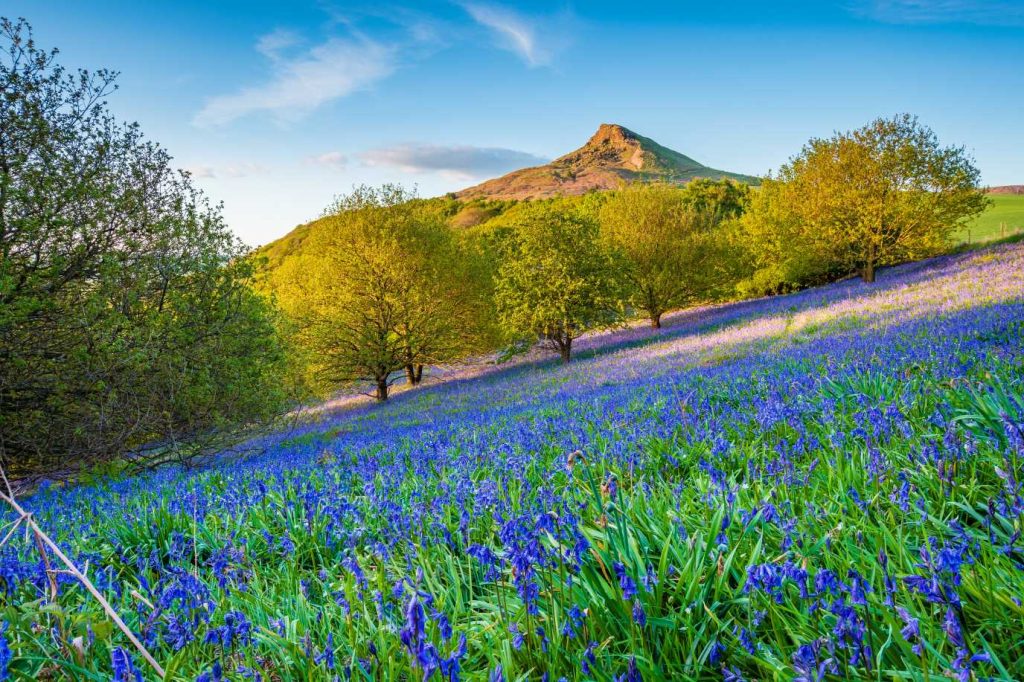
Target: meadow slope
x=1004 y=218
x=818 y=486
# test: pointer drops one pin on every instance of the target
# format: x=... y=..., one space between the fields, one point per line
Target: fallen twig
x=44 y=541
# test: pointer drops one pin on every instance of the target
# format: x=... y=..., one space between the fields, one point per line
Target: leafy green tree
x=720 y=199
x=556 y=280
x=882 y=194
x=669 y=239
x=126 y=319
x=446 y=313
x=779 y=253
x=386 y=287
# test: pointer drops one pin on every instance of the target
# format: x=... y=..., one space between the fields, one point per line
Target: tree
x=668 y=237
x=126 y=320
x=556 y=280
x=721 y=199
x=385 y=288
x=444 y=313
x=779 y=253
x=882 y=194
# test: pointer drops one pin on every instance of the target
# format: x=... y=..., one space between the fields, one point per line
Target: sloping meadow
x=819 y=486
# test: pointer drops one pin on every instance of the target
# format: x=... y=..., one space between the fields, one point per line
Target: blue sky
x=277 y=107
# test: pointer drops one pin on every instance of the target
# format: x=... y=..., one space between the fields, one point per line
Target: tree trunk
x=413 y=374
x=868 y=274
x=382 y=390
x=565 y=348
x=655 y=320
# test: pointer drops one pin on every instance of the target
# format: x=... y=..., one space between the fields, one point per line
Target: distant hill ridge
x=612 y=156
x=1007 y=189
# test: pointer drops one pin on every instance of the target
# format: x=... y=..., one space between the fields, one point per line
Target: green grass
x=1006 y=213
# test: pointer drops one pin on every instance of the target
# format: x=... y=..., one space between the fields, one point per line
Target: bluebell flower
x=542 y=637
x=5 y=652
x=517 y=636
x=649 y=579
x=963 y=664
x=732 y=675
x=413 y=632
x=626 y=583
x=715 y=652
x=639 y=616
x=450 y=666
x=444 y=626
x=951 y=626
x=589 y=659
x=124 y=669
x=911 y=630
x=632 y=673
x=746 y=640
x=807 y=665
x=215 y=674
x=236 y=631
x=326 y=657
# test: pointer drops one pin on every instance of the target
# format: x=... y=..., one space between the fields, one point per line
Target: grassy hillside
x=821 y=485
x=1004 y=218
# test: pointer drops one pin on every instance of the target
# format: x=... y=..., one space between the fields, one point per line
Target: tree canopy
x=668 y=238
x=386 y=288
x=126 y=319
x=879 y=195
x=556 y=281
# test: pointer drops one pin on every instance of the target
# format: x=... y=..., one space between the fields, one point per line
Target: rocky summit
x=612 y=156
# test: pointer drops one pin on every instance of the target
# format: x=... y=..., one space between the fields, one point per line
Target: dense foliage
x=671 y=240
x=825 y=485
x=126 y=318
x=385 y=287
x=556 y=281
x=883 y=194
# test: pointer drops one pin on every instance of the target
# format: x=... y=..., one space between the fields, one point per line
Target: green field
x=1003 y=218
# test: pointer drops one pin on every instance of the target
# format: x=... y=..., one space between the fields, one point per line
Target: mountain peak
x=613 y=156
x=611 y=133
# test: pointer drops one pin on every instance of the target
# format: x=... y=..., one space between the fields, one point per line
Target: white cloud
x=981 y=12
x=242 y=170
x=518 y=33
x=460 y=161
x=301 y=83
x=200 y=171
x=335 y=160
x=234 y=170
x=273 y=44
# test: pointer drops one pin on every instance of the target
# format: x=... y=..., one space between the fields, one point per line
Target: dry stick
x=43 y=539
x=14 y=528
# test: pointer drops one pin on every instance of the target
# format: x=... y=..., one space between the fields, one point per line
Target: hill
x=1004 y=218
x=1007 y=189
x=754 y=472
x=612 y=156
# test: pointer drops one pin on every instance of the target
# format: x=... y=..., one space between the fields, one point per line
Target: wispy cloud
x=980 y=12
x=234 y=170
x=200 y=171
x=299 y=83
x=335 y=160
x=459 y=161
x=273 y=44
x=534 y=41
